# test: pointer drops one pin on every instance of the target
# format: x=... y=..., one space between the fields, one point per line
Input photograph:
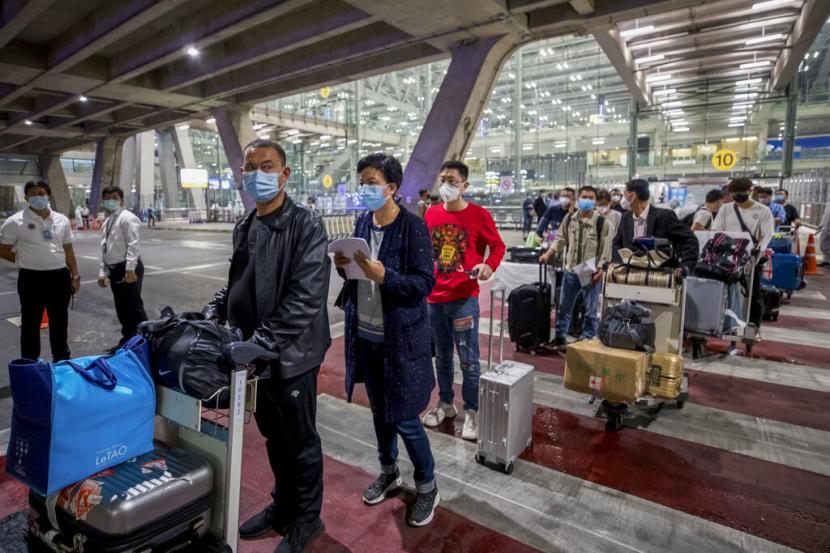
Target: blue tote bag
x=75 y=418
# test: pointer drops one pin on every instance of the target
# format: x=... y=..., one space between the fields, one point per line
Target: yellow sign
x=724 y=160
x=328 y=181
x=194 y=178
x=325 y=92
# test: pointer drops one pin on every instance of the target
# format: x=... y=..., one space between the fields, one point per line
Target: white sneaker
x=436 y=416
x=470 y=430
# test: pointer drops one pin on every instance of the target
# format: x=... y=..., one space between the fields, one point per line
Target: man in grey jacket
x=276 y=296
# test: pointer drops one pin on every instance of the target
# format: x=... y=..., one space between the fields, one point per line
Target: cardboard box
x=610 y=373
x=665 y=375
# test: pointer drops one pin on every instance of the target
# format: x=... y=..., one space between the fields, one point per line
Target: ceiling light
x=28 y=123
x=210 y=121
x=675 y=104
x=736 y=124
x=660 y=77
x=747 y=82
x=192 y=51
x=769 y=4
x=648 y=59
x=598 y=141
x=83 y=98
x=733 y=139
x=527 y=147
x=664 y=92
x=747 y=96
x=292 y=132
x=560 y=145
x=637 y=31
x=680 y=129
x=183 y=127
x=764 y=38
x=755 y=64
x=258 y=126
x=750 y=138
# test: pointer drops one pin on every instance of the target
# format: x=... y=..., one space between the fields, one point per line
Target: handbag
x=75 y=418
x=628 y=325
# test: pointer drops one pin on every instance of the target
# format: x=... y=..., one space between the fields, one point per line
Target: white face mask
x=615 y=198
x=603 y=209
x=564 y=201
x=625 y=204
x=449 y=193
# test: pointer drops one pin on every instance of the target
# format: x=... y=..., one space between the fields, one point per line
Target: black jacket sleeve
x=307 y=293
x=683 y=240
x=617 y=243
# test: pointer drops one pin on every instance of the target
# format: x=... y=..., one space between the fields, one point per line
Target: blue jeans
x=371 y=355
x=590 y=298
x=456 y=324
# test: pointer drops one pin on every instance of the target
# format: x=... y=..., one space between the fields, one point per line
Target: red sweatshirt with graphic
x=460 y=240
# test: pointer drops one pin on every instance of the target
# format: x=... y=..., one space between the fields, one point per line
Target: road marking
x=807 y=312
x=153 y=268
x=220 y=279
x=810 y=295
x=90 y=257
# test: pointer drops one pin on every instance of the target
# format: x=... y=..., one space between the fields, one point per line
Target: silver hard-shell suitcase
x=505 y=394
x=159 y=501
x=706 y=304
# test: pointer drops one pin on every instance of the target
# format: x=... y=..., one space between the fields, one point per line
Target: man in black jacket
x=276 y=295
x=540 y=204
x=645 y=221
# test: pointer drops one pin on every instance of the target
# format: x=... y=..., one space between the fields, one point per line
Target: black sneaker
x=261 y=524
x=424 y=508
x=377 y=490
x=300 y=535
x=559 y=341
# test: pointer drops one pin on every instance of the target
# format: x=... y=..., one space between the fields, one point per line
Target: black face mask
x=740 y=198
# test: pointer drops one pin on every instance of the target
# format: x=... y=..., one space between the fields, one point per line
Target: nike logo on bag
x=162 y=373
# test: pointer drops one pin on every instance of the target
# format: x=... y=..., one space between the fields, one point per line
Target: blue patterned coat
x=406 y=253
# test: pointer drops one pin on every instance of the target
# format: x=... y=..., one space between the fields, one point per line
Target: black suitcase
x=157 y=502
x=773 y=298
x=577 y=324
x=528 y=313
x=525 y=254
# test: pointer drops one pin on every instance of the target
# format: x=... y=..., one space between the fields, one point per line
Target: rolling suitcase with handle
x=505 y=408
x=528 y=312
x=156 y=502
x=706 y=304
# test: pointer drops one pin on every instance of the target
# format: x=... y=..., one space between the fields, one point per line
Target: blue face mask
x=261 y=186
x=372 y=196
x=586 y=204
x=111 y=205
x=39 y=202
x=780 y=199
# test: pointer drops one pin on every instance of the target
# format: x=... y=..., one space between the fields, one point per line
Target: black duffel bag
x=628 y=325
x=186 y=354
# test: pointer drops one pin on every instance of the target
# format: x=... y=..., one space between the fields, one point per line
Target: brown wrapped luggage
x=613 y=374
x=665 y=376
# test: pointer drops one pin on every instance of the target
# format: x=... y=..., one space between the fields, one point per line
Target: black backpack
x=723 y=258
x=628 y=325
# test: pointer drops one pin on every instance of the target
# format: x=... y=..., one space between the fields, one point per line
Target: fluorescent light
x=560 y=145
x=755 y=64
x=664 y=92
x=648 y=59
x=598 y=141
x=735 y=125
x=734 y=139
x=673 y=112
x=210 y=120
x=637 y=31
x=764 y=38
x=674 y=104
x=83 y=98
x=192 y=51
x=748 y=82
x=660 y=77
x=750 y=138
x=183 y=127
x=769 y=4
x=747 y=96
x=681 y=129
x=527 y=147
x=28 y=123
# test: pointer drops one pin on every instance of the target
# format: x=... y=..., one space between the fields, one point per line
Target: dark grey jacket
x=292 y=283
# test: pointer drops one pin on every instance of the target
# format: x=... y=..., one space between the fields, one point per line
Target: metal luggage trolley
x=216 y=435
x=668 y=308
x=744 y=334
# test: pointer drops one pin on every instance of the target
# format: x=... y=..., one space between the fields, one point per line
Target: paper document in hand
x=584 y=271
x=348 y=247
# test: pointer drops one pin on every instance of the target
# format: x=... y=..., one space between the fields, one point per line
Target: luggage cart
x=668 y=308
x=216 y=434
x=745 y=334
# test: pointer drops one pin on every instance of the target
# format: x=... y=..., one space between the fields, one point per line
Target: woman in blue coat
x=387 y=331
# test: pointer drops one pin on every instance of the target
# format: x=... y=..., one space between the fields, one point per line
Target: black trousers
x=129 y=306
x=49 y=290
x=286 y=415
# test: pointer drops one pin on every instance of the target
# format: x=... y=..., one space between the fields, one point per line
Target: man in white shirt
x=745 y=214
x=121 y=262
x=705 y=214
x=39 y=241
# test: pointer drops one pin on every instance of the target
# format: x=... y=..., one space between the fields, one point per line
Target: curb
x=195 y=228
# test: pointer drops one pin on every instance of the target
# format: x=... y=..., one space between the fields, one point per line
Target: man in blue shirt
x=555 y=214
x=778 y=213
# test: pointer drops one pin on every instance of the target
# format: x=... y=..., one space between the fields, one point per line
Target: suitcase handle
x=493 y=293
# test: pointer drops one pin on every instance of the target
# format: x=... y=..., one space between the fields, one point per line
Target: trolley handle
x=493 y=293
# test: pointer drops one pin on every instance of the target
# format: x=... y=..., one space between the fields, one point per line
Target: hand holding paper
x=347 y=248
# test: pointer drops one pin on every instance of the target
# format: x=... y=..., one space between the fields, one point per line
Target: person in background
x=555 y=214
x=276 y=296
x=79 y=218
x=311 y=202
x=527 y=216
x=824 y=235
x=792 y=218
x=423 y=203
x=705 y=214
x=151 y=216
x=745 y=214
x=121 y=263
x=643 y=220
x=39 y=241
x=387 y=331
x=85 y=216
x=616 y=198
x=584 y=235
x=435 y=199
x=778 y=213
x=613 y=216
x=462 y=233
x=540 y=204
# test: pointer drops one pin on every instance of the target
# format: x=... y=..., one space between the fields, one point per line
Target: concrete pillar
x=632 y=139
x=168 y=171
x=789 y=132
x=126 y=179
x=518 y=127
x=52 y=171
x=145 y=168
x=186 y=160
x=236 y=130
x=107 y=166
x=453 y=119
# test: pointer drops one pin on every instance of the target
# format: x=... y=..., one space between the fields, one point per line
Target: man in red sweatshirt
x=461 y=234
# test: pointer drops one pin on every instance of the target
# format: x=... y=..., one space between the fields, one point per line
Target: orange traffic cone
x=44 y=322
x=810 y=266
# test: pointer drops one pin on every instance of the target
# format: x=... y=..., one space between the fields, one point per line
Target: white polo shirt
x=38 y=242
